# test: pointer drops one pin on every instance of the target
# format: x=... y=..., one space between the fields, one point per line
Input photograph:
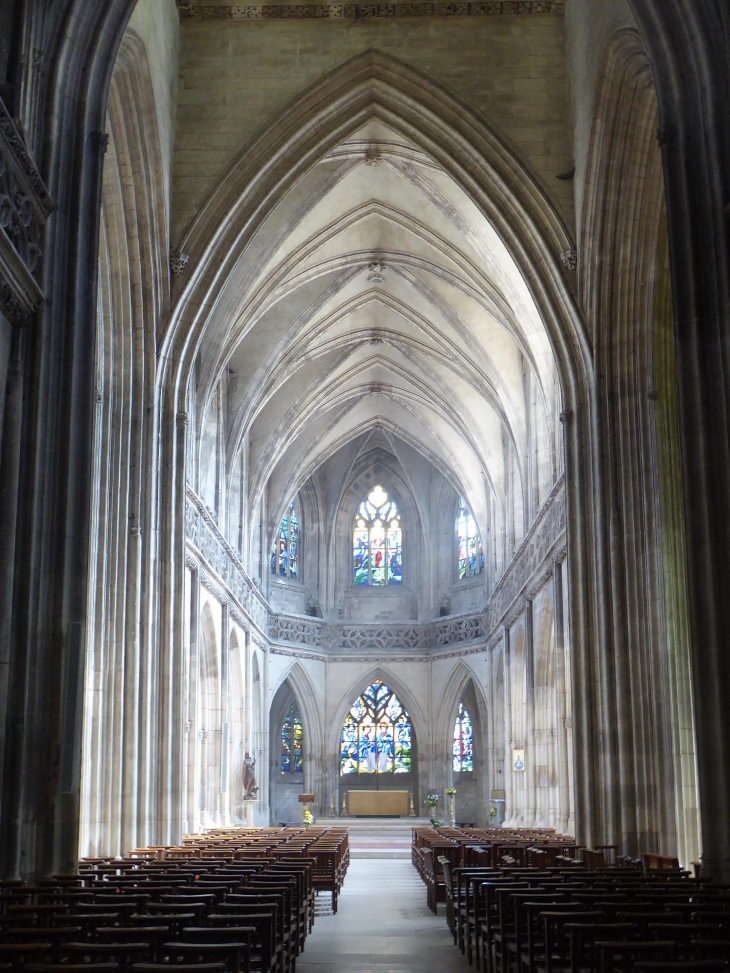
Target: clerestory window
x=469 y=543
x=377 y=541
x=285 y=554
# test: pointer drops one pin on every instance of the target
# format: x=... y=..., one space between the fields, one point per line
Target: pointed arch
x=372 y=85
x=377 y=539
x=309 y=702
x=451 y=695
x=357 y=686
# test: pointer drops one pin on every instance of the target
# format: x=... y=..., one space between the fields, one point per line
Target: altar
x=390 y=804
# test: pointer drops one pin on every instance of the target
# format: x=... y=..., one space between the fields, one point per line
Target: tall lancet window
x=463 y=741
x=285 y=555
x=377 y=541
x=376 y=735
x=470 y=547
x=292 y=742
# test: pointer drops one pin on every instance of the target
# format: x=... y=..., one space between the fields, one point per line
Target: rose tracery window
x=285 y=555
x=469 y=543
x=376 y=734
x=377 y=541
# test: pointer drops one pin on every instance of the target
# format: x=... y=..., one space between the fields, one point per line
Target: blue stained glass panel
x=292 y=742
x=376 y=734
x=463 y=749
x=377 y=541
x=285 y=555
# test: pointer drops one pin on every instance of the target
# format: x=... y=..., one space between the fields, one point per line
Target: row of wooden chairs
x=489 y=848
x=211 y=911
x=520 y=919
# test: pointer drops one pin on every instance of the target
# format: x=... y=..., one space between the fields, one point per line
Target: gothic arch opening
x=289 y=751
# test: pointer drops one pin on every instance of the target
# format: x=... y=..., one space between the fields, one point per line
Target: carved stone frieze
x=285 y=628
x=530 y=569
x=242 y=12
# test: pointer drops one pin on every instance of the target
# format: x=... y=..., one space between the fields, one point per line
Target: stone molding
x=204 y=535
x=24 y=206
x=242 y=12
x=13 y=142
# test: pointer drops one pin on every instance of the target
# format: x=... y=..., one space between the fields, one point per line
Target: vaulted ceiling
x=376 y=296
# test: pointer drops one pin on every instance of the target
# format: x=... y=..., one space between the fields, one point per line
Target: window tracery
x=292 y=741
x=377 y=541
x=377 y=735
x=463 y=749
x=285 y=554
x=469 y=543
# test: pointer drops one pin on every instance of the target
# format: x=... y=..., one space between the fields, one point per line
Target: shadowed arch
x=450 y=697
x=309 y=702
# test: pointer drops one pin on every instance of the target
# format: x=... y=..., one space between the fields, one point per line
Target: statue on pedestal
x=250 y=787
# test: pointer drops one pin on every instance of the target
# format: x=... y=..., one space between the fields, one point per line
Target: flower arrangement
x=451 y=791
x=307 y=816
x=432 y=800
x=493 y=812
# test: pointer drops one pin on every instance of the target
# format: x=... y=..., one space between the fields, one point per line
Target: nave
x=383 y=925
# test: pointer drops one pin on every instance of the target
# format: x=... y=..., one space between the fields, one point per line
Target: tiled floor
x=383 y=925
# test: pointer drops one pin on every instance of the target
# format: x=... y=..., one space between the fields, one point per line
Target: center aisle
x=383 y=925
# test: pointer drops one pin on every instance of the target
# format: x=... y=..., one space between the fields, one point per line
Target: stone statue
x=250 y=787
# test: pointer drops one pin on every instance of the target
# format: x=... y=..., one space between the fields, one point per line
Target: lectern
x=305 y=800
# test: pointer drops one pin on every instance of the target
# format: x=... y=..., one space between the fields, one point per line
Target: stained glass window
x=471 y=549
x=376 y=734
x=377 y=541
x=292 y=741
x=285 y=555
x=463 y=741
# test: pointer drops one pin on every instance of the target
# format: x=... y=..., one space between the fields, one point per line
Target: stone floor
x=381 y=837
x=383 y=925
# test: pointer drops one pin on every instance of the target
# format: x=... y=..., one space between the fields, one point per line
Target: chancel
x=364 y=377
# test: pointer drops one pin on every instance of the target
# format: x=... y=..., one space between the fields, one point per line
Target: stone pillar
x=509 y=796
x=192 y=720
x=9 y=481
x=561 y=678
x=531 y=745
x=225 y=790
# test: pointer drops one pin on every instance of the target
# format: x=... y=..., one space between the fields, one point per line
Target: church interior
x=364 y=383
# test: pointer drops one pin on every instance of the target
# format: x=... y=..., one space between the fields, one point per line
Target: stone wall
x=235 y=75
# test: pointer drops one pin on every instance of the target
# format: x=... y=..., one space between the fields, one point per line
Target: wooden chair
x=153 y=936
x=55 y=935
x=620 y=957
x=689 y=966
x=123 y=954
x=583 y=937
x=165 y=968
